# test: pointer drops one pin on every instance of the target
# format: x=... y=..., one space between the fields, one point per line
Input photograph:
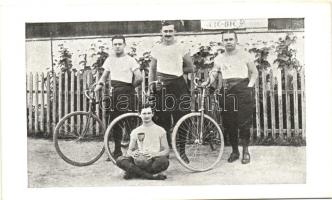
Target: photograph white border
x=317 y=44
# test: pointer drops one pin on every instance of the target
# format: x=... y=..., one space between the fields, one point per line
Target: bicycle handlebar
x=147 y=94
x=87 y=94
x=196 y=79
x=155 y=82
x=90 y=91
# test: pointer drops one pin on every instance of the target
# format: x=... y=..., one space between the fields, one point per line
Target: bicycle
x=78 y=141
x=198 y=137
x=78 y=135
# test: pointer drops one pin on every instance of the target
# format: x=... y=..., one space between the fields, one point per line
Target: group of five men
x=169 y=62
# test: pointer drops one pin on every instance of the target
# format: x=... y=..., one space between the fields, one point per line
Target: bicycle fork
x=201 y=122
x=87 y=123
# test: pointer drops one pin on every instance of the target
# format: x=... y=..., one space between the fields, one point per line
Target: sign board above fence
x=233 y=24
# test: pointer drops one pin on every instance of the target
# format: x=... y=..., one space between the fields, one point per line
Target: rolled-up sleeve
x=134 y=65
x=107 y=64
x=216 y=66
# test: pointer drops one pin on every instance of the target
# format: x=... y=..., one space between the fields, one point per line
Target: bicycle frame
x=202 y=109
x=92 y=102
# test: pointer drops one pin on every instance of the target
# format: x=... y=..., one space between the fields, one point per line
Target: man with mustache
x=168 y=63
x=239 y=76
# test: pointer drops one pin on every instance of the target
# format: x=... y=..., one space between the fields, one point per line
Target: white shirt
x=121 y=68
x=153 y=136
x=169 y=58
x=232 y=66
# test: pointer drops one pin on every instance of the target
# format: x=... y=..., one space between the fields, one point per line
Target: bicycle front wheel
x=78 y=138
x=198 y=146
x=118 y=133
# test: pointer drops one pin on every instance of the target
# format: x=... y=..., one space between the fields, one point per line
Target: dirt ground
x=269 y=165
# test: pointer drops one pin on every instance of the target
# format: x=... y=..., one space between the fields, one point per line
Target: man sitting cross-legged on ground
x=148 y=152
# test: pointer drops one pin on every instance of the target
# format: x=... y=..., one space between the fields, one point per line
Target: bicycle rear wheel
x=123 y=126
x=193 y=153
x=78 y=138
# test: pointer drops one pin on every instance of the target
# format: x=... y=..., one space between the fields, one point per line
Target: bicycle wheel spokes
x=76 y=139
x=201 y=145
x=118 y=133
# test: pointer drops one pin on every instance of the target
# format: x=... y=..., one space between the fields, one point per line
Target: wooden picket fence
x=279 y=107
x=280 y=102
x=51 y=97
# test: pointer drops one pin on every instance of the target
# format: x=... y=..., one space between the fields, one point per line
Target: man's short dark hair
x=119 y=37
x=146 y=105
x=167 y=23
x=229 y=32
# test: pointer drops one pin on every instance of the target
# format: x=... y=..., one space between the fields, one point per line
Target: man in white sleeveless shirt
x=239 y=76
x=153 y=145
x=169 y=62
x=122 y=70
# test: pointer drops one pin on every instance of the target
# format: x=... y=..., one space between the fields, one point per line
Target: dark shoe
x=233 y=157
x=128 y=176
x=184 y=158
x=116 y=154
x=139 y=173
x=245 y=158
x=159 y=177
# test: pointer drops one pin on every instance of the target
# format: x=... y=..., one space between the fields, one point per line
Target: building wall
x=74 y=29
x=39 y=59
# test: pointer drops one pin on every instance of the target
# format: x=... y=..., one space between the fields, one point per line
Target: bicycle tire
x=127 y=122
x=82 y=145
x=202 y=156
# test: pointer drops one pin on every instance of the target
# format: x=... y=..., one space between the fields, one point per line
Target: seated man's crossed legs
x=152 y=171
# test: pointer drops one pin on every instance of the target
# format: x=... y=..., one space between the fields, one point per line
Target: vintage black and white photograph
x=165 y=99
x=166 y=102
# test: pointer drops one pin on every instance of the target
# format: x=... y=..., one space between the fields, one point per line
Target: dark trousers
x=123 y=100
x=173 y=101
x=237 y=104
x=157 y=165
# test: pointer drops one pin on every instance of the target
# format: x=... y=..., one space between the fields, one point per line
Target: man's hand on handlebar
x=156 y=86
x=206 y=83
x=98 y=87
x=197 y=83
x=90 y=94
